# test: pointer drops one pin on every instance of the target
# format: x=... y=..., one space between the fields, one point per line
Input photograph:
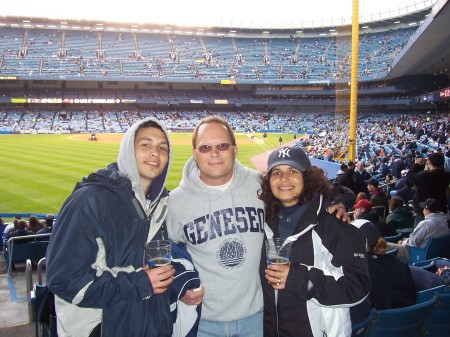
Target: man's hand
x=440 y=270
x=194 y=296
x=341 y=212
x=160 y=277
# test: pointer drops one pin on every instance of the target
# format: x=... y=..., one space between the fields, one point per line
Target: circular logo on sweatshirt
x=231 y=253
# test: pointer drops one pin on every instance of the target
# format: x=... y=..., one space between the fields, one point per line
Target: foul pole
x=354 y=81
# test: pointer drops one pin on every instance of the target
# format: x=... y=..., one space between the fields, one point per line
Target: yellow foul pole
x=354 y=81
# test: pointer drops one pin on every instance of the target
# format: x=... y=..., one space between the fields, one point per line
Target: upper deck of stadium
x=390 y=46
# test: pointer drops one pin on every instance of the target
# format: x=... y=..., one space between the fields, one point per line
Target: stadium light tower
x=354 y=81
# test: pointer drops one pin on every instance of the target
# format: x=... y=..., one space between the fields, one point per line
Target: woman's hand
x=276 y=275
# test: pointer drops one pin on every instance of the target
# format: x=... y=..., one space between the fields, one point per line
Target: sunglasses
x=207 y=148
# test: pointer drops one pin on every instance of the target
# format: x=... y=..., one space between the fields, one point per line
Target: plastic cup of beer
x=158 y=253
x=277 y=251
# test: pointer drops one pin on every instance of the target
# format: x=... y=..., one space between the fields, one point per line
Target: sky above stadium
x=266 y=13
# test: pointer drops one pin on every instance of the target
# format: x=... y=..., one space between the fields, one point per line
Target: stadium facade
x=55 y=70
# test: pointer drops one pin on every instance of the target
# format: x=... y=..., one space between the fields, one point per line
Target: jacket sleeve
x=340 y=273
x=76 y=258
x=184 y=317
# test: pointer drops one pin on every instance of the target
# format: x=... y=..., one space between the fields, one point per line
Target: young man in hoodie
x=216 y=212
x=95 y=260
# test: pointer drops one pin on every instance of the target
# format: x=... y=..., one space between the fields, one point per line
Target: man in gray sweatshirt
x=216 y=212
x=434 y=226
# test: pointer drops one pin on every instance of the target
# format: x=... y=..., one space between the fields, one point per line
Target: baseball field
x=38 y=172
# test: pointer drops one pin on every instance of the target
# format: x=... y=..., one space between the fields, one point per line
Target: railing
x=30 y=250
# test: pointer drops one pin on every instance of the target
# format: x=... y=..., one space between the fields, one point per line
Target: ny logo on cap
x=283 y=153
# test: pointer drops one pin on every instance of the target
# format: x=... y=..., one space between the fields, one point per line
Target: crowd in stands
x=76 y=54
x=20 y=227
x=393 y=225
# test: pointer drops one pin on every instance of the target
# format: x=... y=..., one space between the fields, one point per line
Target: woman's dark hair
x=396 y=202
x=315 y=182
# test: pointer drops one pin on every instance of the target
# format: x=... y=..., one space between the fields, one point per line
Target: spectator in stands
x=48 y=226
x=434 y=225
x=361 y=177
x=363 y=210
x=400 y=216
x=377 y=195
x=11 y=226
x=361 y=195
x=430 y=183
x=392 y=282
x=95 y=257
x=351 y=177
x=406 y=192
x=397 y=166
x=342 y=179
x=303 y=298
x=400 y=183
x=384 y=168
x=34 y=224
x=21 y=230
x=389 y=182
x=434 y=276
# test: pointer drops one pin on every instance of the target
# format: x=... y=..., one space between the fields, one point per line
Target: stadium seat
x=436 y=247
x=429 y=265
x=405 y=232
x=2 y=230
x=362 y=329
x=20 y=252
x=381 y=211
x=40 y=303
x=438 y=324
x=403 y=322
x=393 y=238
x=392 y=252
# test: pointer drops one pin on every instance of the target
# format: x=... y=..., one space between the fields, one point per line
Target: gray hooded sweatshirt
x=224 y=232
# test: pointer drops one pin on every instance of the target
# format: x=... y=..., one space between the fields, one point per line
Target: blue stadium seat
x=427 y=264
x=393 y=238
x=362 y=329
x=438 y=324
x=392 y=252
x=403 y=322
x=436 y=247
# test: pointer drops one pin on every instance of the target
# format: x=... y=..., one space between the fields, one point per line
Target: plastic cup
x=276 y=252
x=158 y=253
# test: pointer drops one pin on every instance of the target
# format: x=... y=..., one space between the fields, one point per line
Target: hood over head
x=128 y=166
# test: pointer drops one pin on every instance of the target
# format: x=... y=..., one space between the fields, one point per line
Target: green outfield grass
x=38 y=172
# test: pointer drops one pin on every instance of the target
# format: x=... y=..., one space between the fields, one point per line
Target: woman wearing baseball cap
x=327 y=273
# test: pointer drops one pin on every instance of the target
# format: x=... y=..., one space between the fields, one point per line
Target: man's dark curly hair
x=315 y=183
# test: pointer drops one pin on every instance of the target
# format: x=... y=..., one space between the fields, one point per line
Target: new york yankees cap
x=292 y=156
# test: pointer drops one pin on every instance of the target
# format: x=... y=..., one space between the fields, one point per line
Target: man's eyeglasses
x=207 y=148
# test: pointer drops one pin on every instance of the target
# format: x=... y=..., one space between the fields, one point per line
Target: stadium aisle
x=13 y=304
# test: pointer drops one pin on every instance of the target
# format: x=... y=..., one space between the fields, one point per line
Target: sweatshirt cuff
x=144 y=286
